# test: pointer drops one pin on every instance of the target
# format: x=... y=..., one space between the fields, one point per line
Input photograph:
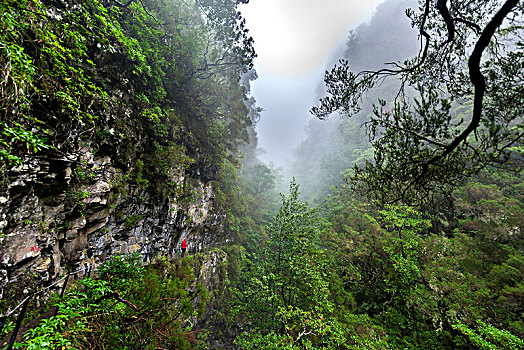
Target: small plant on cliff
x=133 y=220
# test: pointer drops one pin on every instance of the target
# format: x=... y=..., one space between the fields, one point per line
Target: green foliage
x=400 y=279
x=122 y=270
x=402 y=247
x=487 y=337
x=17 y=134
x=157 y=80
x=285 y=291
x=415 y=279
x=247 y=192
x=302 y=330
x=155 y=85
x=128 y=306
x=293 y=258
x=59 y=331
x=289 y=263
x=415 y=285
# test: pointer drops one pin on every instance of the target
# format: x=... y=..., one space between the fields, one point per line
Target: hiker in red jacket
x=184 y=247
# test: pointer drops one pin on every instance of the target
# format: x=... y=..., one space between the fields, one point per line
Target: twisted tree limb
x=477 y=78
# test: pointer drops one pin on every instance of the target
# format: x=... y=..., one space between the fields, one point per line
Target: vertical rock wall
x=50 y=224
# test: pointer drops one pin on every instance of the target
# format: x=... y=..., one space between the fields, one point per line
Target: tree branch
x=450 y=24
x=117 y=297
x=126 y=5
x=422 y=55
x=470 y=24
x=477 y=78
x=365 y=80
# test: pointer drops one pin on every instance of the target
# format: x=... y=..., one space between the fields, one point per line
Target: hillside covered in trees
x=136 y=215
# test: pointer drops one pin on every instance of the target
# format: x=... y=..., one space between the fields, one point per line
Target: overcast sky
x=294 y=39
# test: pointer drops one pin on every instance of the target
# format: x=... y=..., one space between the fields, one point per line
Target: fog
x=286 y=103
x=296 y=40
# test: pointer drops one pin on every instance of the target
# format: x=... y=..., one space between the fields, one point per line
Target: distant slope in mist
x=334 y=145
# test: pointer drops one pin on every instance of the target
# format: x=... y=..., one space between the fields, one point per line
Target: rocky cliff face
x=112 y=134
x=58 y=214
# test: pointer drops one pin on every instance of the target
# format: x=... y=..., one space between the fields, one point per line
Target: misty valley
x=261 y=174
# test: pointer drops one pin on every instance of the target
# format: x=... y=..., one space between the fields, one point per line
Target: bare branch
x=117 y=296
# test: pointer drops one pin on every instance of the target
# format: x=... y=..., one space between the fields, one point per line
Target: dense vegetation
x=443 y=273
x=390 y=278
x=127 y=306
x=407 y=252
x=153 y=80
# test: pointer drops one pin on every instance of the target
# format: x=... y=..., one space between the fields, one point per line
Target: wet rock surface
x=51 y=224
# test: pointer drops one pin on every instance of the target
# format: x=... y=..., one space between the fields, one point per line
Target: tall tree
x=285 y=291
x=468 y=83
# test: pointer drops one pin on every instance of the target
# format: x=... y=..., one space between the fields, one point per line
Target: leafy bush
x=122 y=271
x=127 y=306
